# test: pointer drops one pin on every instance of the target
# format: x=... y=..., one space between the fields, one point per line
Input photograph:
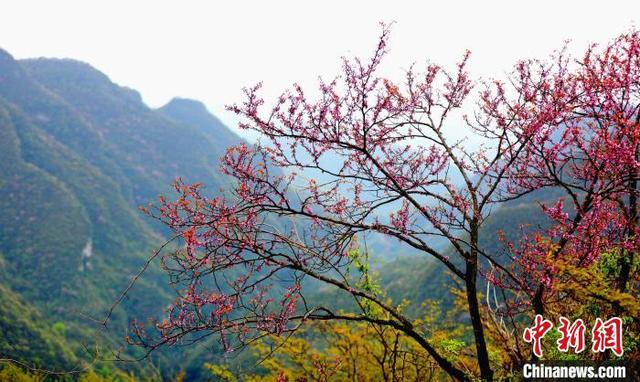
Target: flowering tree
x=588 y=148
x=586 y=113
x=380 y=144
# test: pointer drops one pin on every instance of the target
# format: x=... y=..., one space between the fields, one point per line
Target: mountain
x=193 y=113
x=78 y=155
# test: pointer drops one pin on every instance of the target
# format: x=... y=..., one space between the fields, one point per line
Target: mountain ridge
x=79 y=154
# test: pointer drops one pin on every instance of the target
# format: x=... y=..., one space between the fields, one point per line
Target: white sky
x=208 y=50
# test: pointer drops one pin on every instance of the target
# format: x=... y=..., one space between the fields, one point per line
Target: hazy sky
x=209 y=50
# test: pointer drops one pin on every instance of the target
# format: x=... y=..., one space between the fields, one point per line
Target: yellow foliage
x=586 y=284
x=221 y=372
x=11 y=373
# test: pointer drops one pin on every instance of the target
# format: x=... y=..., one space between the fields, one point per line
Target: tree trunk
x=474 y=310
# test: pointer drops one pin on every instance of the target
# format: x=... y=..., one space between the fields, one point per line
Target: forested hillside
x=79 y=154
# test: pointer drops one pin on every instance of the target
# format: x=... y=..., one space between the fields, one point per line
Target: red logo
x=605 y=335
x=572 y=335
x=536 y=333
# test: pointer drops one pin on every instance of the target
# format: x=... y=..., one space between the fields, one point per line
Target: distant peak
x=4 y=55
x=67 y=67
x=186 y=104
x=9 y=67
x=59 y=61
x=65 y=74
x=7 y=59
x=195 y=113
